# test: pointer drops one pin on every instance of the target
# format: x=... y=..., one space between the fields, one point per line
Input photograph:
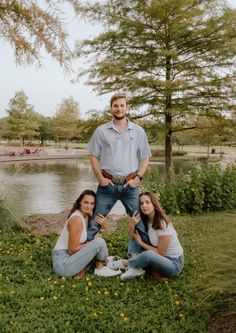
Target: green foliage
x=22 y=121
x=152 y=180
x=95 y=118
x=203 y=189
x=195 y=191
x=212 y=188
x=167 y=194
x=3 y=126
x=164 y=54
x=228 y=187
x=30 y=26
x=64 y=124
x=222 y=288
x=180 y=186
x=34 y=299
x=44 y=129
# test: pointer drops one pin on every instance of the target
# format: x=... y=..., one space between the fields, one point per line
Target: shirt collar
x=130 y=126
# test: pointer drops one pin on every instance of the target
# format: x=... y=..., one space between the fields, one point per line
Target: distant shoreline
x=47 y=154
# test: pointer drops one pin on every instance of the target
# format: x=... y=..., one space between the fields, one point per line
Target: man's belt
x=119 y=179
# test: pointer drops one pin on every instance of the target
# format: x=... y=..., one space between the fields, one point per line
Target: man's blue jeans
x=107 y=196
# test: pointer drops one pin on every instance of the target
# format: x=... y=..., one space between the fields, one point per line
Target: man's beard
x=119 y=117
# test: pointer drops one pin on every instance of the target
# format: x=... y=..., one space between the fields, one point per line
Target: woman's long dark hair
x=77 y=203
x=159 y=214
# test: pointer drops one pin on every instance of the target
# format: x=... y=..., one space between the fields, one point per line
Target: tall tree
x=65 y=122
x=176 y=58
x=3 y=125
x=44 y=129
x=23 y=121
x=94 y=119
x=32 y=25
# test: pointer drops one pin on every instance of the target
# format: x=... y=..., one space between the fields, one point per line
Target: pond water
x=42 y=187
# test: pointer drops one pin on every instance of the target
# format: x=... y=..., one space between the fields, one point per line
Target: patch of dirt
x=222 y=323
x=46 y=224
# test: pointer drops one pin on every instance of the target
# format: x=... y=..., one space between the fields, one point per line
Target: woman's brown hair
x=159 y=214
x=77 y=203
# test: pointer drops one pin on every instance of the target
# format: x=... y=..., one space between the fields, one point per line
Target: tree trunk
x=168 y=120
x=168 y=144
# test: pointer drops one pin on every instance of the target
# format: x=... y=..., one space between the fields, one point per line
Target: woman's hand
x=101 y=220
x=137 y=237
x=134 y=219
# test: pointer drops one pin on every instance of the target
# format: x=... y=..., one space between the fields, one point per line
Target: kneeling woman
x=164 y=255
x=72 y=254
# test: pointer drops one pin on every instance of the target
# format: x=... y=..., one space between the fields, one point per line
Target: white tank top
x=62 y=241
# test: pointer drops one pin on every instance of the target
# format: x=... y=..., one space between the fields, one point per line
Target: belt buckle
x=118 y=179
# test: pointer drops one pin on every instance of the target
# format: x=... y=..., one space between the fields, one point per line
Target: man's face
x=119 y=108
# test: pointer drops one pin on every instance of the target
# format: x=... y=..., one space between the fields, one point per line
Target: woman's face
x=146 y=205
x=87 y=204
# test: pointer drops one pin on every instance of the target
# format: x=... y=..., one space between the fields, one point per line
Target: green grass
x=33 y=299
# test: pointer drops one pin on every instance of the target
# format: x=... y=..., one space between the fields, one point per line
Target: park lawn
x=33 y=299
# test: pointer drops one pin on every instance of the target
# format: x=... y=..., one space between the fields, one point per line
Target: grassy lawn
x=33 y=299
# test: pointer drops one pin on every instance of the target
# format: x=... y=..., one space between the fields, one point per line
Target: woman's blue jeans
x=65 y=264
x=165 y=266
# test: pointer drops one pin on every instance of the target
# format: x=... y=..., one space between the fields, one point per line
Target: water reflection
x=44 y=186
x=41 y=187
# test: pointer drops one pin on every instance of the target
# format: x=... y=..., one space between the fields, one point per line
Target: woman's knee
x=150 y=254
x=99 y=242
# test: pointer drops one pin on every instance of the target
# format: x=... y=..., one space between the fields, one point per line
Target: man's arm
x=97 y=171
x=143 y=164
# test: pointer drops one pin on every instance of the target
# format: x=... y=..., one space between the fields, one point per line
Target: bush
x=195 y=191
x=212 y=188
x=206 y=188
x=161 y=153
x=228 y=188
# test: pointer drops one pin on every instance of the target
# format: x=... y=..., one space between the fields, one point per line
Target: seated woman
x=73 y=255
x=164 y=255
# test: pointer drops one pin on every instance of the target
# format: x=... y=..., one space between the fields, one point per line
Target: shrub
x=212 y=179
x=228 y=188
x=181 y=186
x=161 y=153
x=195 y=192
x=205 y=188
x=152 y=181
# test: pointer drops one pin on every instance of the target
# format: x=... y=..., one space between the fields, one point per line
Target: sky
x=47 y=86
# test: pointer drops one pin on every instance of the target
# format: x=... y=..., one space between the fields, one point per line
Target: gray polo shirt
x=119 y=153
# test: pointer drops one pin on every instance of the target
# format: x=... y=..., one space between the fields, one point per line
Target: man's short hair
x=117 y=96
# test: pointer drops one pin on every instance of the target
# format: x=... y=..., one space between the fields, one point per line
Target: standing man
x=120 y=154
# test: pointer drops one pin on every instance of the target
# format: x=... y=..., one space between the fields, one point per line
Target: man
x=120 y=154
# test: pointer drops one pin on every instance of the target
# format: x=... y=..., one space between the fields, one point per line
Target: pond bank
x=44 y=154
x=46 y=224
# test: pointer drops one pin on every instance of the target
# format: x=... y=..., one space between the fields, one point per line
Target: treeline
x=24 y=124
